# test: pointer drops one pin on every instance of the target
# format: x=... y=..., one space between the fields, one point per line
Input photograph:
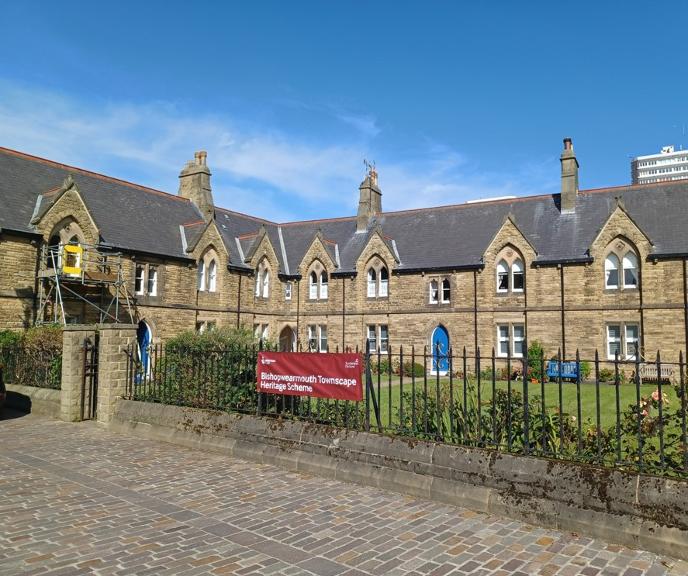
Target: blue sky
x=453 y=100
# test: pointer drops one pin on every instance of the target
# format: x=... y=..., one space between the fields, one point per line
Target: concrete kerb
x=620 y=507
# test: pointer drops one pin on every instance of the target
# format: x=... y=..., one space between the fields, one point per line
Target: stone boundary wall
x=41 y=401
x=635 y=510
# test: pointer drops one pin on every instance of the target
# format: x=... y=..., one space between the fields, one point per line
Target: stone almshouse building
x=590 y=269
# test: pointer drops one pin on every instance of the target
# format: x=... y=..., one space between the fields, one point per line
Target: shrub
x=606 y=375
x=9 y=338
x=585 y=369
x=413 y=369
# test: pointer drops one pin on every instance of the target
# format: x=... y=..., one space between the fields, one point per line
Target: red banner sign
x=311 y=374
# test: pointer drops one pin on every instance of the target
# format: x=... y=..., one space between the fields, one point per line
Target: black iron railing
x=623 y=413
x=31 y=367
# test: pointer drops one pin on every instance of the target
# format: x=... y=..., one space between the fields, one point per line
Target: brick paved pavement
x=77 y=499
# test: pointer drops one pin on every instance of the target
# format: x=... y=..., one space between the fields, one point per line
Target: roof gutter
x=440 y=268
x=666 y=256
x=562 y=261
x=20 y=232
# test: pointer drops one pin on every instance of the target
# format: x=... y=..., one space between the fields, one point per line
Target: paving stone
x=78 y=499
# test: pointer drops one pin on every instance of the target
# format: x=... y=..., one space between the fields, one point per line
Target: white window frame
x=212 y=276
x=323 y=287
x=518 y=263
x=445 y=292
x=317 y=338
x=511 y=339
x=200 y=286
x=372 y=338
x=287 y=291
x=313 y=285
x=383 y=336
x=611 y=263
x=433 y=291
x=503 y=271
x=627 y=345
x=152 y=281
x=633 y=259
x=140 y=280
x=372 y=283
x=266 y=283
x=383 y=290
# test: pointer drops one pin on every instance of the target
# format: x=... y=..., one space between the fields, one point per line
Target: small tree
x=535 y=356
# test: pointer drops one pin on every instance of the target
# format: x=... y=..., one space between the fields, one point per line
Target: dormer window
x=377 y=285
x=263 y=280
x=318 y=283
x=207 y=272
x=510 y=272
x=621 y=267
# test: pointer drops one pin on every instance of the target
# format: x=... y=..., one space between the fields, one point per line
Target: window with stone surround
x=263 y=279
x=207 y=271
x=621 y=269
x=377 y=279
x=622 y=339
x=317 y=338
x=146 y=279
x=510 y=339
x=378 y=335
x=510 y=271
x=318 y=281
x=439 y=290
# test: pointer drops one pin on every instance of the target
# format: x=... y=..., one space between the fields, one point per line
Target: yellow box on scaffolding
x=72 y=255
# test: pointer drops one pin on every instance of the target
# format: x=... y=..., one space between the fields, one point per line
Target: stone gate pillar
x=112 y=366
x=74 y=394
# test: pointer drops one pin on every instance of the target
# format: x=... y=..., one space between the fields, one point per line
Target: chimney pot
x=568 y=144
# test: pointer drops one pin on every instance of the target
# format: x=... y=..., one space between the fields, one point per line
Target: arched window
x=266 y=283
x=433 y=296
x=384 y=282
x=502 y=276
x=212 y=276
x=201 y=276
x=611 y=271
x=372 y=283
x=313 y=286
x=517 y=276
x=630 y=270
x=446 y=291
x=323 y=285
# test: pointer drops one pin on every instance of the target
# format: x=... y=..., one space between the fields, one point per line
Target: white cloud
x=259 y=170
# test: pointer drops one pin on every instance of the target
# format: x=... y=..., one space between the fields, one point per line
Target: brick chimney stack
x=370 y=200
x=194 y=184
x=569 y=178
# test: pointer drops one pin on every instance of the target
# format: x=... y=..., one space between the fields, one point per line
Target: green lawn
x=390 y=391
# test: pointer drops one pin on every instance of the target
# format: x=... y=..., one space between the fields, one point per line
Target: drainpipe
x=238 y=322
x=563 y=321
x=475 y=311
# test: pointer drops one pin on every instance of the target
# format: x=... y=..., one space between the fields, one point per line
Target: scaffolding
x=82 y=273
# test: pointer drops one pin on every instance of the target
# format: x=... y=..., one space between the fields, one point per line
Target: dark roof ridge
x=468 y=205
x=633 y=186
x=91 y=173
x=315 y=221
x=244 y=215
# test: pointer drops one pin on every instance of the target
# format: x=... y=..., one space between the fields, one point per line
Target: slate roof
x=137 y=218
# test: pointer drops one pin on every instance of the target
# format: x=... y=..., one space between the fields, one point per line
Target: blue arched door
x=440 y=350
x=144 y=336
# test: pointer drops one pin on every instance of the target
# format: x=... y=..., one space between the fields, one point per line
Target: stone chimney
x=194 y=184
x=370 y=201
x=569 y=178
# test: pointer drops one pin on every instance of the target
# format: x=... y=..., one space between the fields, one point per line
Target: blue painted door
x=440 y=350
x=144 y=337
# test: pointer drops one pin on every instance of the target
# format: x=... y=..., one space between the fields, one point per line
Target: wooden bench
x=648 y=373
